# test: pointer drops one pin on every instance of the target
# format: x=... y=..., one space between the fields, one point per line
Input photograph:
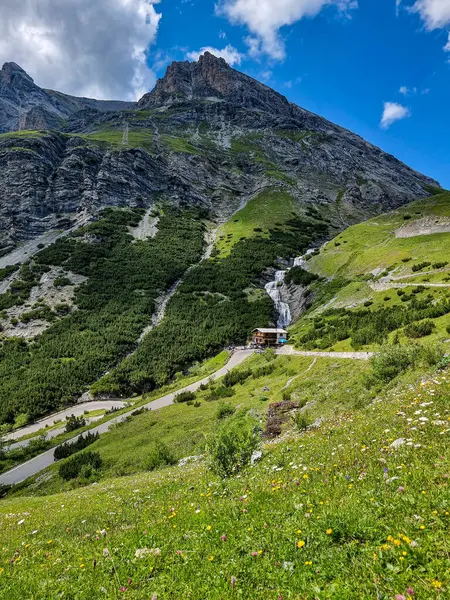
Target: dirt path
x=379 y=286
x=290 y=381
x=290 y=351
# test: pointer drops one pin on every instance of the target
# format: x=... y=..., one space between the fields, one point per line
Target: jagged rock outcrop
x=23 y=104
x=206 y=135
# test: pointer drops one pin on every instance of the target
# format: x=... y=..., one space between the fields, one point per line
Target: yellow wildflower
x=208 y=528
x=300 y=544
x=329 y=531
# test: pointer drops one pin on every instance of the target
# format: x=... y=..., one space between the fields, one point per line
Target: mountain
x=24 y=105
x=206 y=135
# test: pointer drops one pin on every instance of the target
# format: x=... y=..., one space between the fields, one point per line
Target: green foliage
x=225 y=410
x=62 y=281
x=366 y=327
x=159 y=456
x=420 y=266
x=74 y=423
x=7 y=271
x=418 y=330
x=184 y=397
x=302 y=421
x=69 y=448
x=299 y=276
x=114 y=306
x=73 y=467
x=232 y=445
x=393 y=360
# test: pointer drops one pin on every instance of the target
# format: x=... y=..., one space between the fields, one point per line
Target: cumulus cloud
x=82 y=47
x=265 y=18
x=435 y=13
x=392 y=112
x=230 y=54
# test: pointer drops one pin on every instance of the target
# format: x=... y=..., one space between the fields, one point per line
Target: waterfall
x=273 y=289
x=282 y=308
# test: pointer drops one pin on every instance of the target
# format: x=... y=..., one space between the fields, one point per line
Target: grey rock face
x=206 y=135
x=24 y=104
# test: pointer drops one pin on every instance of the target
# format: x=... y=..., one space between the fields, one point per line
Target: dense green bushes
x=69 y=448
x=418 y=330
x=160 y=456
x=184 y=397
x=299 y=276
x=366 y=327
x=80 y=465
x=114 y=306
x=210 y=310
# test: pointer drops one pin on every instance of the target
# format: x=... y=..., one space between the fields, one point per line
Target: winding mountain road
x=44 y=460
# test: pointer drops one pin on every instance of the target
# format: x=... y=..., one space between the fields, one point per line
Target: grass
x=373 y=245
x=262 y=212
x=177 y=144
x=137 y=138
x=338 y=511
x=281 y=177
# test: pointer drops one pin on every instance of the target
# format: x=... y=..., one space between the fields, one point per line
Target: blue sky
x=342 y=64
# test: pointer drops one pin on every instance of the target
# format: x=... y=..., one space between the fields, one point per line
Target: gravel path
x=378 y=286
x=289 y=350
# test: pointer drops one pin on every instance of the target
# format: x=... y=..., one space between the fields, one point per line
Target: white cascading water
x=282 y=308
x=273 y=289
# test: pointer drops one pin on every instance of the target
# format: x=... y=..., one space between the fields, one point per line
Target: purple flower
x=400 y=489
x=410 y=591
x=233 y=582
x=400 y=597
x=224 y=538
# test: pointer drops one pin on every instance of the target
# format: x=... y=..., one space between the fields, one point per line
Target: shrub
x=440 y=265
x=220 y=392
x=70 y=448
x=432 y=354
x=299 y=276
x=225 y=410
x=393 y=360
x=232 y=445
x=233 y=377
x=160 y=456
x=184 y=397
x=71 y=469
x=74 y=423
x=302 y=421
x=368 y=303
x=62 y=281
x=420 y=266
x=386 y=298
x=418 y=330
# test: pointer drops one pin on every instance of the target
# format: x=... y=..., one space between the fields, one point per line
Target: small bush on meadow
x=74 y=423
x=184 y=397
x=160 y=456
x=302 y=421
x=418 y=330
x=230 y=448
x=72 y=468
x=225 y=410
x=393 y=360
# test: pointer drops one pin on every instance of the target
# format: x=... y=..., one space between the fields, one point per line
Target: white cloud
x=392 y=112
x=447 y=45
x=435 y=13
x=265 y=18
x=230 y=54
x=406 y=91
x=83 y=47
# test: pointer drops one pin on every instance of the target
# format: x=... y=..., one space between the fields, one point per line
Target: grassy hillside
x=355 y=508
x=381 y=280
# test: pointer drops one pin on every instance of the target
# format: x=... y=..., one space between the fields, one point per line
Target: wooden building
x=269 y=337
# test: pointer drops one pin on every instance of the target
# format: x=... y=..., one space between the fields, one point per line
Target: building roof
x=270 y=330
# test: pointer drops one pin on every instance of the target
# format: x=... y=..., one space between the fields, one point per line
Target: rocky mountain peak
x=211 y=78
x=11 y=74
